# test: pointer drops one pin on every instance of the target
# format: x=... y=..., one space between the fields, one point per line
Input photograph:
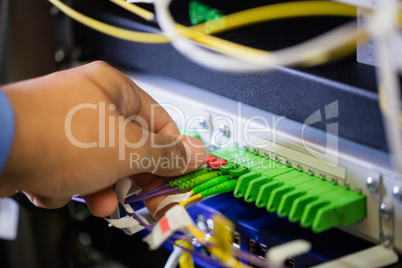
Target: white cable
x=382 y=27
x=316 y=48
x=190 y=49
x=173 y=260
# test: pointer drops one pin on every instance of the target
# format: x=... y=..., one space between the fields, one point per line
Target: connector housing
x=301 y=197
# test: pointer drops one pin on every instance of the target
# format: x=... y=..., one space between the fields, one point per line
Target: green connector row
x=200 y=12
x=312 y=201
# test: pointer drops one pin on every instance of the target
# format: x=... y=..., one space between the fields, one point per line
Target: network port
x=257 y=249
x=236 y=240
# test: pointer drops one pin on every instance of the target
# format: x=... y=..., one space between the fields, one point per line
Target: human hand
x=78 y=131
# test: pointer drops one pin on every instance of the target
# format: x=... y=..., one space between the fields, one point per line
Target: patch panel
x=302 y=197
x=358 y=169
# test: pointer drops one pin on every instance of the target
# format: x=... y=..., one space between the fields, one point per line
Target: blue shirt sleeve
x=6 y=128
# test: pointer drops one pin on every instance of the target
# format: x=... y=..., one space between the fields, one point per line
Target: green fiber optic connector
x=254 y=186
x=234 y=155
x=243 y=182
x=189 y=176
x=238 y=172
x=288 y=185
x=255 y=163
x=317 y=186
x=261 y=164
x=198 y=180
x=339 y=207
x=225 y=187
x=229 y=152
x=316 y=203
x=265 y=190
x=201 y=13
x=244 y=159
x=272 y=169
x=299 y=206
x=308 y=195
x=211 y=183
x=228 y=167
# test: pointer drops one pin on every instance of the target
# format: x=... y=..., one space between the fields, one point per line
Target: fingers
x=45 y=202
x=89 y=105
x=148 y=136
x=102 y=203
x=128 y=97
x=148 y=182
x=166 y=155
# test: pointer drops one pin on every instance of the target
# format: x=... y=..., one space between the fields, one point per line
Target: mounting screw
x=386 y=210
x=266 y=154
x=372 y=185
x=386 y=239
x=334 y=180
x=245 y=147
x=310 y=172
x=299 y=167
x=203 y=123
x=288 y=163
x=322 y=176
x=255 y=151
x=277 y=159
x=397 y=193
x=225 y=130
x=346 y=185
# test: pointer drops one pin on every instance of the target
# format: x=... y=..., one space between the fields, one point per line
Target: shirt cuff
x=6 y=128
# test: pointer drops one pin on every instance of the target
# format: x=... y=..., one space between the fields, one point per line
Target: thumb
x=171 y=155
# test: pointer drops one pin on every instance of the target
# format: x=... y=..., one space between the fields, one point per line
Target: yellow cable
x=186 y=259
x=384 y=105
x=256 y=15
x=109 y=29
x=190 y=199
x=274 y=12
x=233 y=21
x=232 y=262
x=141 y=12
x=197 y=233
